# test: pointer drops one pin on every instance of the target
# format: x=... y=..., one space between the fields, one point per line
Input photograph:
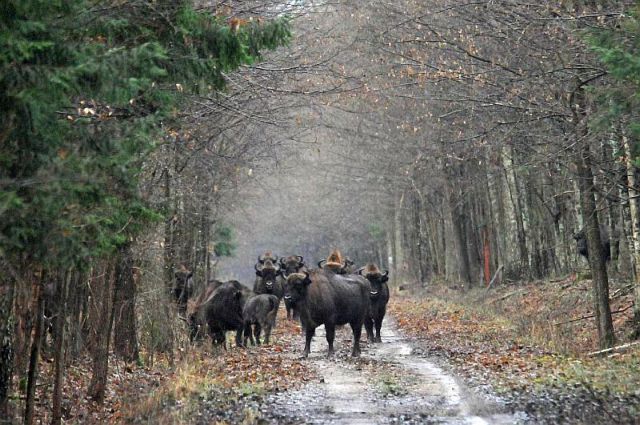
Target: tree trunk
x=98 y=385
x=398 y=252
x=459 y=224
x=6 y=342
x=59 y=345
x=125 y=325
x=597 y=262
x=169 y=230
x=34 y=357
x=635 y=230
x=516 y=207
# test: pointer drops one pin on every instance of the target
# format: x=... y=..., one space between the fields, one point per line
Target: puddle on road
x=388 y=385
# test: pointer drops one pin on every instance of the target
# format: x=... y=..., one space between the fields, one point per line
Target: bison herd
x=332 y=294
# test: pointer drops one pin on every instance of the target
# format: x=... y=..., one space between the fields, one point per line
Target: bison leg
x=218 y=338
x=357 y=332
x=368 y=325
x=239 y=337
x=247 y=333
x=267 y=333
x=331 y=335
x=378 y=326
x=257 y=329
x=309 y=332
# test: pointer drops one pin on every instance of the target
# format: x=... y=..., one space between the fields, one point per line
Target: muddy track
x=390 y=383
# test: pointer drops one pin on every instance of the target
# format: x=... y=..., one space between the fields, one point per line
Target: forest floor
x=532 y=345
x=512 y=354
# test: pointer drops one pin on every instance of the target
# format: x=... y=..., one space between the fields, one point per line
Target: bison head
x=375 y=277
x=348 y=265
x=267 y=256
x=183 y=286
x=291 y=264
x=337 y=264
x=268 y=272
x=295 y=286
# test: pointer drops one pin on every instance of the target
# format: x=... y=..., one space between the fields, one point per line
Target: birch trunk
x=635 y=230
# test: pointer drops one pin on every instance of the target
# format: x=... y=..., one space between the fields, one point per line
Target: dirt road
x=390 y=383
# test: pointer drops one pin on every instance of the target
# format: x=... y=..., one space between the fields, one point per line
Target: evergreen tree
x=86 y=89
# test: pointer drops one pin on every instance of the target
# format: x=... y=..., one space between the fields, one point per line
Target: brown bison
x=182 y=287
x=583 y=249
x=267 y=281
x=379 y=296
x=288 y=265
x=326 y=300
x=222 y=311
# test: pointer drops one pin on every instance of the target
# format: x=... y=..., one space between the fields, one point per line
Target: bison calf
x=260 y=312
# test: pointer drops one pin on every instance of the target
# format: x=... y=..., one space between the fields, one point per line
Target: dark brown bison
x=182 y=288
x=196 y=325
x=583 y=249
x=379 y=296
x=222 y=311
x=267 y=281
x=288 y=265
x=260 y=312
x=329 y=299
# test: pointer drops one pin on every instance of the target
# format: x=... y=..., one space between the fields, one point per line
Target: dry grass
x=540 y=331
x=220 y=378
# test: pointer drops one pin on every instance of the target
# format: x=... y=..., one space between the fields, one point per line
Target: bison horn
x=259 y=267
x=285 y=275
x=359 y=271
x=320 y=263
x=300 y=259
x=282 y=263
x=386 y=273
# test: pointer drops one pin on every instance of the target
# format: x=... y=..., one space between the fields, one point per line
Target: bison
x=288 y=265
x=195 y=323
x=222 y=311
x=267 y=281
x=330 y=300
x=336 y=263
x=379 y=296
x=182 y=287
x=260 y=311
x=583 y=249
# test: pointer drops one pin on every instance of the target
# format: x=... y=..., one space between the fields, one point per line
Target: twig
x=509 y=295
x=617 y=349
x=619 y=292
x=589 y=316
x=494 y=276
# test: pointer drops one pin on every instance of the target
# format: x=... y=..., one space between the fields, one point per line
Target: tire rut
x=389 y=383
